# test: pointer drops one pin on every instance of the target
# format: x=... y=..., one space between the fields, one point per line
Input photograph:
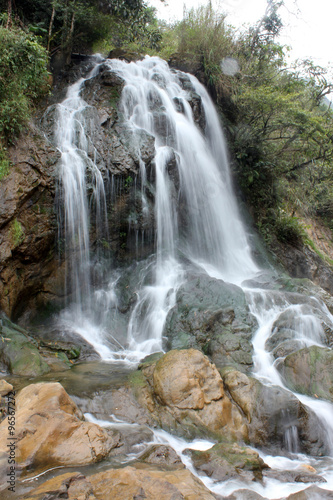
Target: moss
x=17 y=233
x=137 y=379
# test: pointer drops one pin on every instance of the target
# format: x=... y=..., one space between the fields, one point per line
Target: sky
x=308 y=24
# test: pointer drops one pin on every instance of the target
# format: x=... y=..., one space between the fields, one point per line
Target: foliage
x=23 y=79
x=17 y=232
x=65 y=26
x=204 y=38
x=4 y=163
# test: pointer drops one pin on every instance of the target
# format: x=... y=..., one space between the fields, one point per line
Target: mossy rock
x=18 y=352
x=226 y=461
x=310 y=371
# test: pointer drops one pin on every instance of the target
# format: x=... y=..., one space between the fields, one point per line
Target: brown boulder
x=127 y=483
x=50 y=430
x=184 y=392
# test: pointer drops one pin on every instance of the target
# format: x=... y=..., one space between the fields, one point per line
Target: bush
x=23 y=79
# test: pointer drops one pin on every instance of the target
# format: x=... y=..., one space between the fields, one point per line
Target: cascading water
x=197 y=224
x=214 y=238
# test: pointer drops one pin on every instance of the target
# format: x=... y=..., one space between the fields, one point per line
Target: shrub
x=23 y=79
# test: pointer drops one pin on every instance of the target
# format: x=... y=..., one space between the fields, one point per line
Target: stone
x=160 y=454
x=310 y=371
x=226 y=461
x=19 y=354
x=312 y=493
x=212 y=316
x=5 y=388
x=184 y=393
x=126 y=483
x=51 y=431
x=272 y=412
x=27 y=221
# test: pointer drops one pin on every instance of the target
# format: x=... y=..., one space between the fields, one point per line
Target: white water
x=268 y=488
x=212 y=237
x=215 y=239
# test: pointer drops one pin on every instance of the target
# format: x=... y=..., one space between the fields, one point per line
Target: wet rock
x=162 y=455
x=273 y=415
x=228 y=461
x=310 y=371
x=72 y=485
x=19 y=354
x=294 y=476
x=27 y=222
x=305 y=263
x=312 y=493
x=184 y=393
x=212 y=316
x=50 y=430
x=126 y=483
x=124 y=55
x=244 y=495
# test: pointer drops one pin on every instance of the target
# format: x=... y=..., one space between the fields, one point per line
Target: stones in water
x=127 y=483
x=229 y=461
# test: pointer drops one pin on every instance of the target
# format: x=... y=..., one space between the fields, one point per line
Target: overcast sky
x=309 y=24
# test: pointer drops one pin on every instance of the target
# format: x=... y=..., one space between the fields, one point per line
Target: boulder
x=310 y=371
x=160 y=454
x=184 y=393
x=5 y=388
x=126 y=483
x=228 y=461
x=50 y=430
x=311 y=493
x=19 y=354
x=274 y=415
x=212 y=316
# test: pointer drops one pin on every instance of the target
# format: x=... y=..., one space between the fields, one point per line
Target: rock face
x=305 y=263
x=126 y=483
x=310 y=371
x=272 y=413
x=184 y=393
x=27 y=222
x=212 y=316
x=50 y=430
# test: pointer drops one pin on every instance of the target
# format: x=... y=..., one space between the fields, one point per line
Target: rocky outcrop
x=305 y=263
x=126 y=483
x=50 y=431
x=27 y=222
x=310 y=371
x=212 y=316
x=184 y=394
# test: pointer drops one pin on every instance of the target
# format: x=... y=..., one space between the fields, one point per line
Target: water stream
x=208 y=234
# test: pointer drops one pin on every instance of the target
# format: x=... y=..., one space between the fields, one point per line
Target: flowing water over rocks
x=157 y=259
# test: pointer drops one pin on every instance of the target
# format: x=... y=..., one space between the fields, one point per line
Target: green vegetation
x=23 y=79
x=17 y=232
x=279 y=126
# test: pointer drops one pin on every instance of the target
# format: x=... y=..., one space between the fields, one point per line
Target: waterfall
x=155 y=99
x=197 y=222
